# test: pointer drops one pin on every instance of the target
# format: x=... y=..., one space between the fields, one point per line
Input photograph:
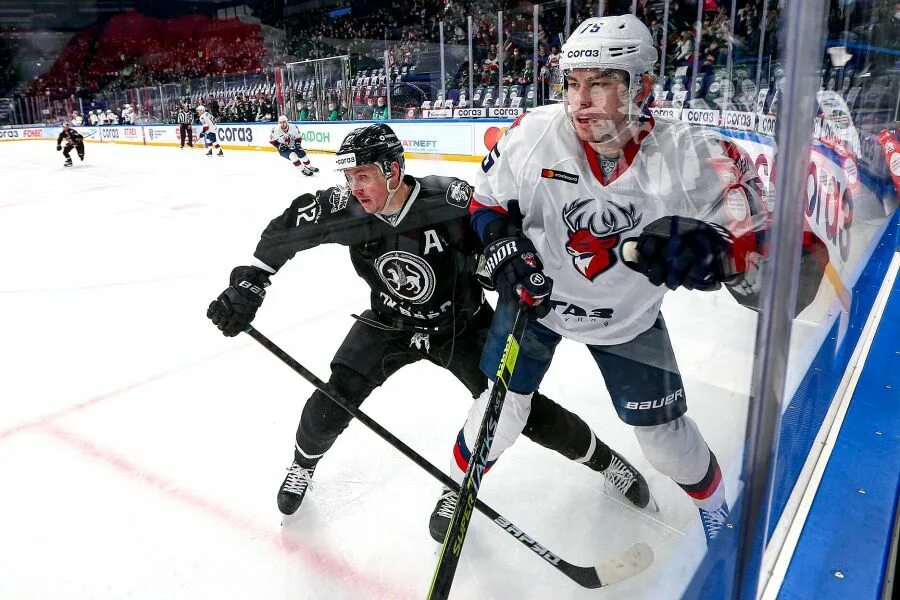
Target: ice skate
x=713 y=521
x=627 y=480
x=441 y=515
x=293 y=488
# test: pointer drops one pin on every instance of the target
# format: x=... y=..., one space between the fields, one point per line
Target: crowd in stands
x=131 y=50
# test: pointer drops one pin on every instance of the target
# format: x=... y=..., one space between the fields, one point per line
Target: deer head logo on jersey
x=592 y=247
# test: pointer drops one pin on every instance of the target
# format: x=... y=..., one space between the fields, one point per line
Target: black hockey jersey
x=69 y=134
x=420 y=269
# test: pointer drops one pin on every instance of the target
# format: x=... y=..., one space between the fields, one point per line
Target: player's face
x=284 y=125
x=598 y=103
x=369 y=187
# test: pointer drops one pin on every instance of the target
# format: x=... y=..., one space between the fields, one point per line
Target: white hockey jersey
x=208 y=123
x=577 y=223
x=288 y=138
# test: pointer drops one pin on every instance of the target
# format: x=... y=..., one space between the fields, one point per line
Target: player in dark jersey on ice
x=73 y=140
x=410 y=240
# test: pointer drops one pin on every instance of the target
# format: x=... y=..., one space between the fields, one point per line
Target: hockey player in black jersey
x=410 y=240
x=73 y=140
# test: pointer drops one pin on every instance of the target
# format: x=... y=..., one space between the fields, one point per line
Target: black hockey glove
x=680 y=251
x=516 y=271
x=58 y=147
x=235 y=308
x=283 y=148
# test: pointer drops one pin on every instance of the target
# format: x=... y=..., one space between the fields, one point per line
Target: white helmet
x=621 y=42
x=201 y=109
x=283 y=119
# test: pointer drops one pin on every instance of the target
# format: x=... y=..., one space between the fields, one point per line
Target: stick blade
x=628 y=564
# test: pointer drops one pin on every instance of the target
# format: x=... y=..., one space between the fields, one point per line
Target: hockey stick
x=631 y=562
x=462 y=514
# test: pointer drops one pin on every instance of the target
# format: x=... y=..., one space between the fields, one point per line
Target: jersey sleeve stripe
x=482 y=216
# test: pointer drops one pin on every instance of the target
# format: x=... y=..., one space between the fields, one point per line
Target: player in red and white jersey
x=208 y=131
x=288 y=141
x=558 y=196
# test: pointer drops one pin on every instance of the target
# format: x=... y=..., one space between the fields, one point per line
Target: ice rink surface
x=141 y=451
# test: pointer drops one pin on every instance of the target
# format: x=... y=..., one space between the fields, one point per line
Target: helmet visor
x=597 y=102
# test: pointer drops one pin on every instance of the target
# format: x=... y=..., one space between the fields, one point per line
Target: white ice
x=140 y=450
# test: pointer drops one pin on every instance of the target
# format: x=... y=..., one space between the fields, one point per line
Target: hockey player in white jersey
x=557 y=197
x=208 y=131
x=287 y=140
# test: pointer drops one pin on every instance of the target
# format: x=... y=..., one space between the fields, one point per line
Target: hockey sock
x=708 y=493
x=304 y=459
x=462 y=454
x=598 y=455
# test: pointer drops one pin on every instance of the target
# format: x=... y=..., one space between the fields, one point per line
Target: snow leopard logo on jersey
x=459 y=193
x=406 y=275
x=592 y=248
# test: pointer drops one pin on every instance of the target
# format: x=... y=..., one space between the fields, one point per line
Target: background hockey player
x=185 y=117
x=93 y=119
x=77 y=121
x=410 y=240
x=127 y=115
x=73 y=140
x=287 y=140
x=111 y=117
x=606 y=171
x=208 y=131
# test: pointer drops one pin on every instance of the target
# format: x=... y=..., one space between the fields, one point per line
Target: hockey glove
x=680 y=251
x=282 y=148
x=235 y=308
x=516 y=271
x=58 y=148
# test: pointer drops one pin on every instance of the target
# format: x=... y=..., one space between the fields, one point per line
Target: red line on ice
x=333 y=566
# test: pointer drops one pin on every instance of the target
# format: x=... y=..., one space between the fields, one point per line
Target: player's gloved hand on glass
x=681 y=251
x=517 y=273
x=235 y=308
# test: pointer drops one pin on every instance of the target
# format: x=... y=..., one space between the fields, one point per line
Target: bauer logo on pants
x=407 y=275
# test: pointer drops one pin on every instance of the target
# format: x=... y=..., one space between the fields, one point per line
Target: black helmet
x=374 y=144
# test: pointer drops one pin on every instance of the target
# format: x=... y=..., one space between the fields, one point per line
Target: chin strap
x=391 y=192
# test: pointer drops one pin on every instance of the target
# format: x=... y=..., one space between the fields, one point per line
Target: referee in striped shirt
x=184 y=117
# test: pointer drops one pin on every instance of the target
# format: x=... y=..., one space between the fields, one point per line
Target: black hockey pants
x=79 y=148
x=369 y=355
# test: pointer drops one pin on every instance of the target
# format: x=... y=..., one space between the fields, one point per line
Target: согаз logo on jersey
x=592 y=247
x=408 y=276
